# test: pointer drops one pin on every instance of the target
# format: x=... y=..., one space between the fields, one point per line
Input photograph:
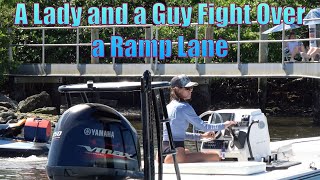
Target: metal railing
x=154 y=30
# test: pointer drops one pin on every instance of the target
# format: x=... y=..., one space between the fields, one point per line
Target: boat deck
x=304 y=150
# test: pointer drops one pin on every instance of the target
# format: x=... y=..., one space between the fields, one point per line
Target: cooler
x=37 y=129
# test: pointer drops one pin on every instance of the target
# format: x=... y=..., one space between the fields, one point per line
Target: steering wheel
x=214 y=118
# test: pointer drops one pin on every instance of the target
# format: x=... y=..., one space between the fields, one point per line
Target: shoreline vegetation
x=225 y=28
x=285 y=98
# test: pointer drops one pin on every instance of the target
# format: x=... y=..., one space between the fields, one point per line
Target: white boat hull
x=305 y=150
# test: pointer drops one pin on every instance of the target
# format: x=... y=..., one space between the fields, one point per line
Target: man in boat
x=11 y=130
x=181 y=113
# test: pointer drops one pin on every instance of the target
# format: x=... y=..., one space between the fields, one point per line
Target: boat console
x=248 y=140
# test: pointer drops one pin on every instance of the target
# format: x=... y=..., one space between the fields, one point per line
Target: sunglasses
x=188 y=88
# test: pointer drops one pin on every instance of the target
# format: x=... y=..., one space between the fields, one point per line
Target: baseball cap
x=182 y=81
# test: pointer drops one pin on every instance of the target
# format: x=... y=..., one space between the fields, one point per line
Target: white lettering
x=96 y=132
x=56 y=134
x=106 y=151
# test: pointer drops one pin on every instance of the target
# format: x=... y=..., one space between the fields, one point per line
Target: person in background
x=295 y=48
x=311 y=54
x=181 y=113
x=314 y=50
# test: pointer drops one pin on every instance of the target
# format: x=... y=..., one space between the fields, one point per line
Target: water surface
x=280 y=128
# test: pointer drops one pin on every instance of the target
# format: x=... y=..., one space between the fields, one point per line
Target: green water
x=291 y=128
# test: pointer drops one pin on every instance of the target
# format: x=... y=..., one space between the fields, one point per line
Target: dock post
x=94 y=36
x=95 y=60
x=209 y=35
x=262 y=82
x=148 y=35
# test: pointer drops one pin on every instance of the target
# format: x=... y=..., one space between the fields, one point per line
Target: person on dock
x=295 y=48
x=313 y=53
x=181 y=113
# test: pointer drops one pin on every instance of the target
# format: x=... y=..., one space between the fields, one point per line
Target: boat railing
x=152 y=109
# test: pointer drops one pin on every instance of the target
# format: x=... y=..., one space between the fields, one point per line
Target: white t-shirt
x=292 y=45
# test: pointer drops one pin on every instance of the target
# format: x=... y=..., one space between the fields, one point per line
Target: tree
x=6 y=29
x=68 y=54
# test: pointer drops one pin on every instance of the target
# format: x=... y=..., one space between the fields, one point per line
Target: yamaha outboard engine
x=94 y=141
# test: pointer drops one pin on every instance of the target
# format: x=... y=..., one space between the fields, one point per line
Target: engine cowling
x=94 y=141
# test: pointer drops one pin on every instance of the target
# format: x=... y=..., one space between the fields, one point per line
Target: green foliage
x=27 y=54
x=6 y=35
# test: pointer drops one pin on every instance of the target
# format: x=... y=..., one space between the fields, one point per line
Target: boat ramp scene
x=91 y=100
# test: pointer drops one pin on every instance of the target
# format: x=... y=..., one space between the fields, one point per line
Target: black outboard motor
x=94 y=141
